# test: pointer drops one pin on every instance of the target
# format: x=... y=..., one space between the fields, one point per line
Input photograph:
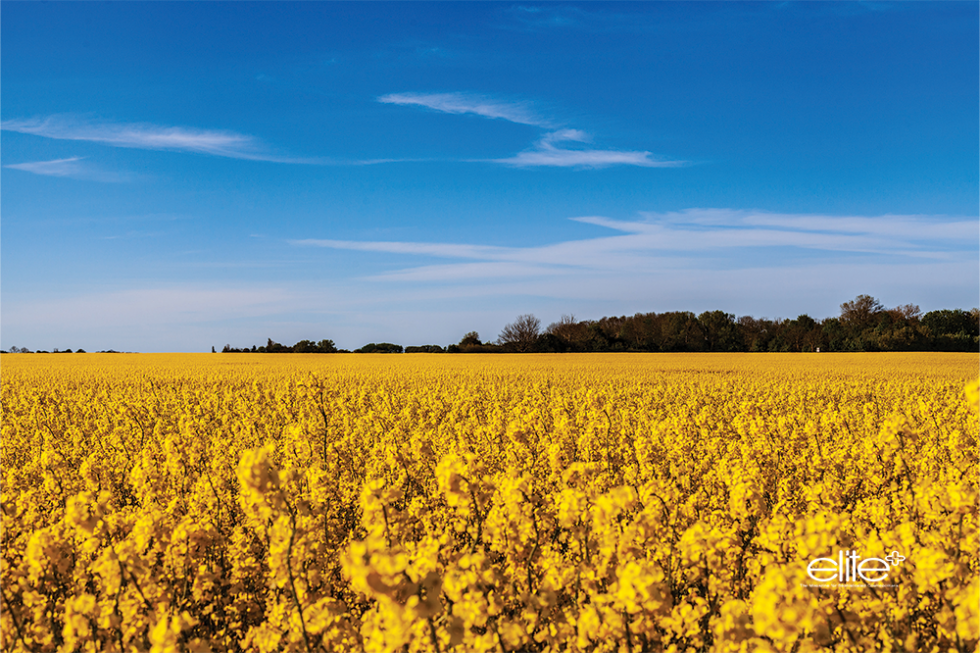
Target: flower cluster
x=557 y=503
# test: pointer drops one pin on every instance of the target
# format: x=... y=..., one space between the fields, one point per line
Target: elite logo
x=849 y=567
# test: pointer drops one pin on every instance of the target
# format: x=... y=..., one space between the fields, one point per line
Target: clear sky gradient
x=182 y=175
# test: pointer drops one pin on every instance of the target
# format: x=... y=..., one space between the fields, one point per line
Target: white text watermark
x=849 y=569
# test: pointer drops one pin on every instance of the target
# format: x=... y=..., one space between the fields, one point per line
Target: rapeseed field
x=594 y=502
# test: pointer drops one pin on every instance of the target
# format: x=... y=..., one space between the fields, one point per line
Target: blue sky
x=182 y=175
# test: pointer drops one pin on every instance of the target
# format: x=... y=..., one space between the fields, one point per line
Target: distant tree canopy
x=380 y=348
x=861 y=313
x=273 y=347
x=864 y=324
x=310 y=347
x=471 y=344
x=25 y=350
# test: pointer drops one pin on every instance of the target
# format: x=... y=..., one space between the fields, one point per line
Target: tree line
x=864 y=324
x=328 y=347
x=25 y=350
x=273 y=347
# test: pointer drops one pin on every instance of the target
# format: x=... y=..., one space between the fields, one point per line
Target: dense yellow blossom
x=630 y=502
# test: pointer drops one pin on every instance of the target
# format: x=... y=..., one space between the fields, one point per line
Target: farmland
x=579 y=502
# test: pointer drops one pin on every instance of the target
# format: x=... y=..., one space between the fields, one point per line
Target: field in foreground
x=489 y=503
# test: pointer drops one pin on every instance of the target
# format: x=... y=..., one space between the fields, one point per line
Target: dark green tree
x=720 y=331
x=304 y=347
x=380 y=348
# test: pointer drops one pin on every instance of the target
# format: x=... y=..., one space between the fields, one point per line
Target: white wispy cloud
x=683 y=239
x=150 y=137
x=461 y=103
x=909 y=228
x=72 y=167
x=547 y=152
x=69 y=167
